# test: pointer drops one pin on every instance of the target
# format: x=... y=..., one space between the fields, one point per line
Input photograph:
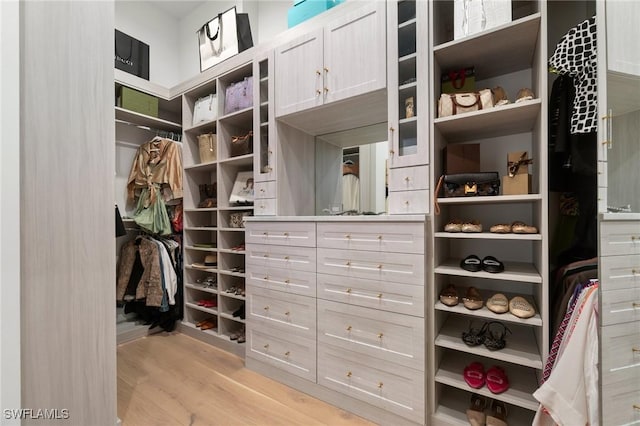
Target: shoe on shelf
x=473 y=226
x=474 y=375
x=498 y=416
x=471 y=263
x=472 y=300
x=449 y=295
x=500 y=228
x=522 y=228
x=492 y=265
x=524 y=94
x=520 y=307
x=453 y=226
x=475 y=412
x=498 y=303
x=199 y=323
x=496 y=379
x=474 y=336
x=494 y=337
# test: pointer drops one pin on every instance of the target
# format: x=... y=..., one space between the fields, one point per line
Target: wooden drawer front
x=621 y=402
x=619 y=238
x=281 y=233
x=620 y=352
x=383 y=295
x=398 y=267
x=387 y=336
x=295 y=355
x=279 y=257
x=409 y=178
x=290 y=313
x=409 y=202
x=620 y=272
x=389 y=386
x=620 y=306
x=265 y=207
x=288 y=281
x=382 y=236
x=265 y=190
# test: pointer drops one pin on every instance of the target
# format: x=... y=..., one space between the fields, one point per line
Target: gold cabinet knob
x=636 y=406
x=326 y=90
x=380 y=384
x=266 y=346
x=265 y=255
x=266 y=308
x=318 y=92
x=349 y=374
x=635 y=350
x=266 y=278
x=380 y=335
x=636 y=304
x=326 y=69
x=287 y=353
x=379 y=266
x=265 y=234
x=348 y=328
x=407 y=179
x=380 y=237
x=262 y=190
x=348 y=236
x=286 y=234
x=348 y=290
x=287 y=313
x=286 y=258
x=379 y=295
x=406 y=203
x=348 y=263
x=318 y=72
x=287 y=281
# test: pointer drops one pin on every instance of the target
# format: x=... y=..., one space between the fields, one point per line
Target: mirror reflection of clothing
x=350 y=192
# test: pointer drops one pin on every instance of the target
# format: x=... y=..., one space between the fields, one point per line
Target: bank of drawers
x=620 y=317
x=399 y=238
x=281 y=296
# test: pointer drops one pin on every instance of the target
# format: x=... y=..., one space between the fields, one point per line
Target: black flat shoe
x=492 y=265
x=471 y=263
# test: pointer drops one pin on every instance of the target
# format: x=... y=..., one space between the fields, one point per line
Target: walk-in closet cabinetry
x=214 y=254
x=339 y=61
x=408 y=111
x=349 y=294
x=512 y=56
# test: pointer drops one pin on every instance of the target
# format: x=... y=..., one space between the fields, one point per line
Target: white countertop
x=619 y=216
x=338 y=218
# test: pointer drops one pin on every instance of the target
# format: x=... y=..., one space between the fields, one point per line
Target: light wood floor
x=173 y=379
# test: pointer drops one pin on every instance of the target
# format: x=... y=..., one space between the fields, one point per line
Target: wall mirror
x=351 y=170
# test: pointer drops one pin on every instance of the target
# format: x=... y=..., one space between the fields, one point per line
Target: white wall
x=160 y=31
x=10 y=386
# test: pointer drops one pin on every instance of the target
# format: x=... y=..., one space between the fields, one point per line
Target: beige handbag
x=208 y=147
x=458 y=103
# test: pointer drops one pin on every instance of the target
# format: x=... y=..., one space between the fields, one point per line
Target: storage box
x=474 y=16
x=305 y=9
x=519 y=184
x=461 y=158
x=520 y=156
x=137 y=101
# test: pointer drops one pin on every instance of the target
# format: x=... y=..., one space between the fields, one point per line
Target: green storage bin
x=134 y=100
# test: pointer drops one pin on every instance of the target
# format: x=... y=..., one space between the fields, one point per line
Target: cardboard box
x=137 y=101
x=474 y=16
x=305 y=9
x=519 y=184
x=514 y=157
x=461 y=158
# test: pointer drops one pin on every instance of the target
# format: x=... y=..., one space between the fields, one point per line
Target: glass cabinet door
x=619 y=133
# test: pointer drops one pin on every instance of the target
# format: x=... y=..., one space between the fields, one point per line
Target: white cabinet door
x=623 y=54
x=355 y=53
x=298 y=68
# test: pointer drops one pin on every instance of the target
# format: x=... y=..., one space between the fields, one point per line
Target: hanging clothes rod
x=174 y=136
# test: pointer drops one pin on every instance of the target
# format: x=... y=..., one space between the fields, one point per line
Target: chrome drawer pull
x=348 y=373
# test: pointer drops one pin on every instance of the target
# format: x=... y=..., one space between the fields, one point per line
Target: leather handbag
x=459 y=103
x=205 y=109
x=470 y=184
x=238 y=95
x=242 y=145
x=208 y=147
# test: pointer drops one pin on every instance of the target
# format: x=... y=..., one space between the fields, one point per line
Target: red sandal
x=497 y=380
x=474 y=375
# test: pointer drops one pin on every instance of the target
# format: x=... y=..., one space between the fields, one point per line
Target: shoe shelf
x=231 y=317
x=231 y=251
x=201 y=209
x=454 y=403
x=211 y=331
x=522 y=381
x=514 y=271
x=496 y=199
x=207 y=249
x=485 y=314
x=195 y=268
x=201 y=308
x=201 y=288
x=202 y=167
x=488 y=236
x=201 y=228
x=202 y=127
x=240 y=160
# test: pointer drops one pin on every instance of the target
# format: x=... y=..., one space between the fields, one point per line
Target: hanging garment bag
x=224 y=36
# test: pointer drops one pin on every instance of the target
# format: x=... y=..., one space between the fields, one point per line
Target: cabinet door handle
x=318 y=72
x=318 y=92
x=266 y=278
x=265 y=255
x=348 y=290
x=326 y=90
x=380 y=335
x=286 y=234
x=608 y=129
x=266 y=346
x=348 y=236
x=349 y=374
x=266 y=308
x=262 y=190
x=348 y=263
x=636 y=304
x=636 y=406
x=379 y=295
x=380 y=237
x=349 y=328
x=406 y=203
x=326 y=69
x=287 y=313
x=407 y=179
x=635 y=350
x=380 y=267
x=286 y=258
x=287 y=353
x=287 y=281
x=380 y=384
x=265 y=234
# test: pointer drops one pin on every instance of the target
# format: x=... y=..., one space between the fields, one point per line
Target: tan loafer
x=520 y=307
x=501 y=228
x=498 y=303
x=522 y=228
x=473 y=226
x=453 y=226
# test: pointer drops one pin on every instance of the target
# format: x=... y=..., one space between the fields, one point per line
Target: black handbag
x=131 y=55
x=470 y=184
x=242 y=145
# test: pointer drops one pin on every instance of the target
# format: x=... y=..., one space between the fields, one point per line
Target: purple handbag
x=239 y=96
